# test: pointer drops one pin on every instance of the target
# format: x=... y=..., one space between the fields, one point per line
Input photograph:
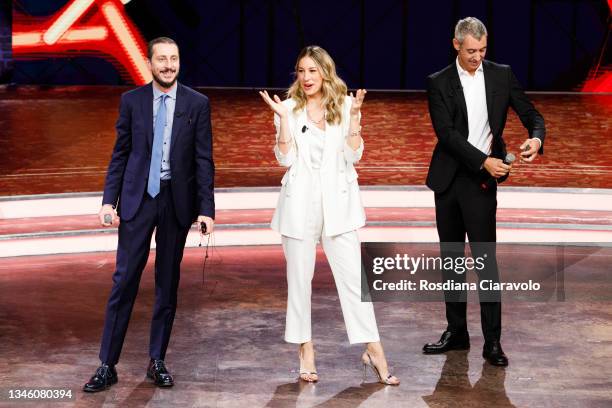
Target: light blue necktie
x=156 y=155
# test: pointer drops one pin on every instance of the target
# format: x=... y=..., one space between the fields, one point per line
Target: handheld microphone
x=108 y=219
x=491 y=181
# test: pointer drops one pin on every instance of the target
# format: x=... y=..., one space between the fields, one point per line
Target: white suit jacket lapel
x=332 y=132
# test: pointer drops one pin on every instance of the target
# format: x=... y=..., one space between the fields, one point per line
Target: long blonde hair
x=333 y=88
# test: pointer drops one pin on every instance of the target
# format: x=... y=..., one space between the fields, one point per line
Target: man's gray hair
x=471 y=26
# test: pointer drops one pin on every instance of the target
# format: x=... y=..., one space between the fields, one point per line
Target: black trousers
x=132 y=254
x=467 y=207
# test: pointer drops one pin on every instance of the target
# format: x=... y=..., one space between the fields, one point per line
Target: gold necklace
x=316 y=122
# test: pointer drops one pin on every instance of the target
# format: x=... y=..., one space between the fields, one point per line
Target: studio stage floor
x=227 y=349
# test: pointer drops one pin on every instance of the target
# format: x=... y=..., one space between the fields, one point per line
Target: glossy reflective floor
x=227 y=349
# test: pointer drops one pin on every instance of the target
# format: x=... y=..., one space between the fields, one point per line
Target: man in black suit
x=468 y=104
x=160 y=177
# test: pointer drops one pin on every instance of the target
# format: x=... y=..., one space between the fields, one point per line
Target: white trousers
x=344 y=255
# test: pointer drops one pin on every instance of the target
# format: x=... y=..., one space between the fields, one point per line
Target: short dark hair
x=159 y=40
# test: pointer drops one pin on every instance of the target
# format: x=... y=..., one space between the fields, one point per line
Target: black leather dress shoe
x=493 y=353
x=104 y=377
x=448 y=341
x=158 y=372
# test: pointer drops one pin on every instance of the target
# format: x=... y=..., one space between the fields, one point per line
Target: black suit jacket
x=191 y=159
x=450 y=121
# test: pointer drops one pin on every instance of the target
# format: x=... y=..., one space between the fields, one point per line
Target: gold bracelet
x=355 y=133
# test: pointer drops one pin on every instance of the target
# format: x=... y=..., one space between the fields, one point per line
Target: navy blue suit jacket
x=191 y=159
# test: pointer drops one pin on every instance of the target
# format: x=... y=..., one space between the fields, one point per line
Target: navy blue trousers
x=132 y=254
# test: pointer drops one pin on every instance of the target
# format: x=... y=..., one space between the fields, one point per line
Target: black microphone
x=304 y=129
x=491 y=181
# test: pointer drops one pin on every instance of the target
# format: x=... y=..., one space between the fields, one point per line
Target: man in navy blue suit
x=160 y=177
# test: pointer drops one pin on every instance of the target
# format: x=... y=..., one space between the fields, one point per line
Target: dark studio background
x=381 y=44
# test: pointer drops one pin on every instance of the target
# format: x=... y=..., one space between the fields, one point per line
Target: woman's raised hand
x=357 y=101
x=275 y=104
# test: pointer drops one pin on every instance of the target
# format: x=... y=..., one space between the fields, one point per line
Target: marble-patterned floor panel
x=391 y=216
x=227 y=349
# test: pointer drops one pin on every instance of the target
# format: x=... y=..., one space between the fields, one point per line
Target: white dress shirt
x=480 y=135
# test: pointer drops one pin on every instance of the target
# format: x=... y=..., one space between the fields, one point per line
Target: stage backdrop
x=378 y=44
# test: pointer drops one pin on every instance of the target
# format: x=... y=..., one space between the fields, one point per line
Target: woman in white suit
x=318 y=137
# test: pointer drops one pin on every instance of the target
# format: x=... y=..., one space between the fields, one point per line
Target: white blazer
x=342 y=207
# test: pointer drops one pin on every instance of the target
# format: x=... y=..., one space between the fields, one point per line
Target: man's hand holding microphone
x=107 y=215
x=498 y=168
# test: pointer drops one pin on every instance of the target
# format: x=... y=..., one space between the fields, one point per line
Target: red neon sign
x=600 y=82
x=85 y=27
